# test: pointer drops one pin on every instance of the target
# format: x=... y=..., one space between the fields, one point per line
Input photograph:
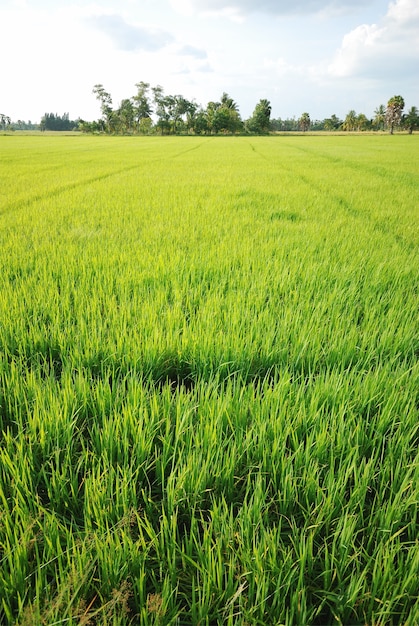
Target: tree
x=289 y=124
x=53 y=121
x=106 y=107
x=125 y=116
x=350 y=121
x=224 y=116
x=304 y=122
x=227 y=117
x=228 y=102
x=210 y=112
x=191 y=109
x=162 y=104
x=142 y=104
x=261 y=119
x=5 y=121
x=227 y=120
x=380 y=117
x=179 y=108
x=394 y=112
x=145 y=126
x=200 y=122
x=332 y=123
x=362 y=122
x=410 y=121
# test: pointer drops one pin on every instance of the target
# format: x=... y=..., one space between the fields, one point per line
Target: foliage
x=24 y=125
x=304 y=122
x=410 y=120
x=142 y=102
x=332 y=123
x=356 y=122
x=51 y=121
x=152 y=111
x=380 y=117
x=105 y=100
x=5 y=121
x=279 y=124
x=350 y=122
x=394 y=112
x=209 y=381
x=260 y=121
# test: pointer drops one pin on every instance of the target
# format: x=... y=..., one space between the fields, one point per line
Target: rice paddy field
x=209 y=380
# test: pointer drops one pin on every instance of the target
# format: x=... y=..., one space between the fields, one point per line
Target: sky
x=323 y=57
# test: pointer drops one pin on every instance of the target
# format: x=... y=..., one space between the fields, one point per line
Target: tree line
x=53 y=121
x=49 y=121
x=175 y=114
x=151 y=111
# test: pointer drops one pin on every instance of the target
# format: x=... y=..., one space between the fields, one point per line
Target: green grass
x=209 y=380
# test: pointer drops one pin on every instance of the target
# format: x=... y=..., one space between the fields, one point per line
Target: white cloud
x=236 y=9
x=55 y=54
x=389 y=48
x=360 y=43
x=405 y=13
x=281 y=68
x=129 y=37
x=191 y=51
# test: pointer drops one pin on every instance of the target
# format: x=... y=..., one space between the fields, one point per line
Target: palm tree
x=228 y=102
x=304 y=122
x=261 y=119
x=380 y=117
x=411 y=120
x=126 y=115
x=350 y=122
x=362 y=122
x=394 y=112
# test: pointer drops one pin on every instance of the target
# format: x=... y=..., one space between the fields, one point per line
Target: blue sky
x=319 y=56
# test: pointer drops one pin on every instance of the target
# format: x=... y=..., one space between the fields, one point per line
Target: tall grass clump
x=209 y=381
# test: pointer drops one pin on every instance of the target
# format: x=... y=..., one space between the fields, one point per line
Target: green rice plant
x=209 y=380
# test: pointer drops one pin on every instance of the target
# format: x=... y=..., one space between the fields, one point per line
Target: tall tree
x=332 y=122
x=142 y=104
x=53 y=121
x=191 y=109
x=125 y=116
x=229 y=103
x=106 y=106
x=261 y=118
x=350 y=121
x=304 y=122
x=380 y=117
x=224 y=116
x=200 y=122
x=227 y=120
x=162 y=104
x=4 y=121
x=410 y=121
x=210 y=112
x=394 y=112
x=179 y=108
x=362 y=122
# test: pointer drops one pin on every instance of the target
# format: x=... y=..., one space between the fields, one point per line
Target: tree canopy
x=151 y=111
x=260 y=122
x=5 y=121
x=410 y=121
x=53 y=121
x=304 y=122
x=394 y=112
